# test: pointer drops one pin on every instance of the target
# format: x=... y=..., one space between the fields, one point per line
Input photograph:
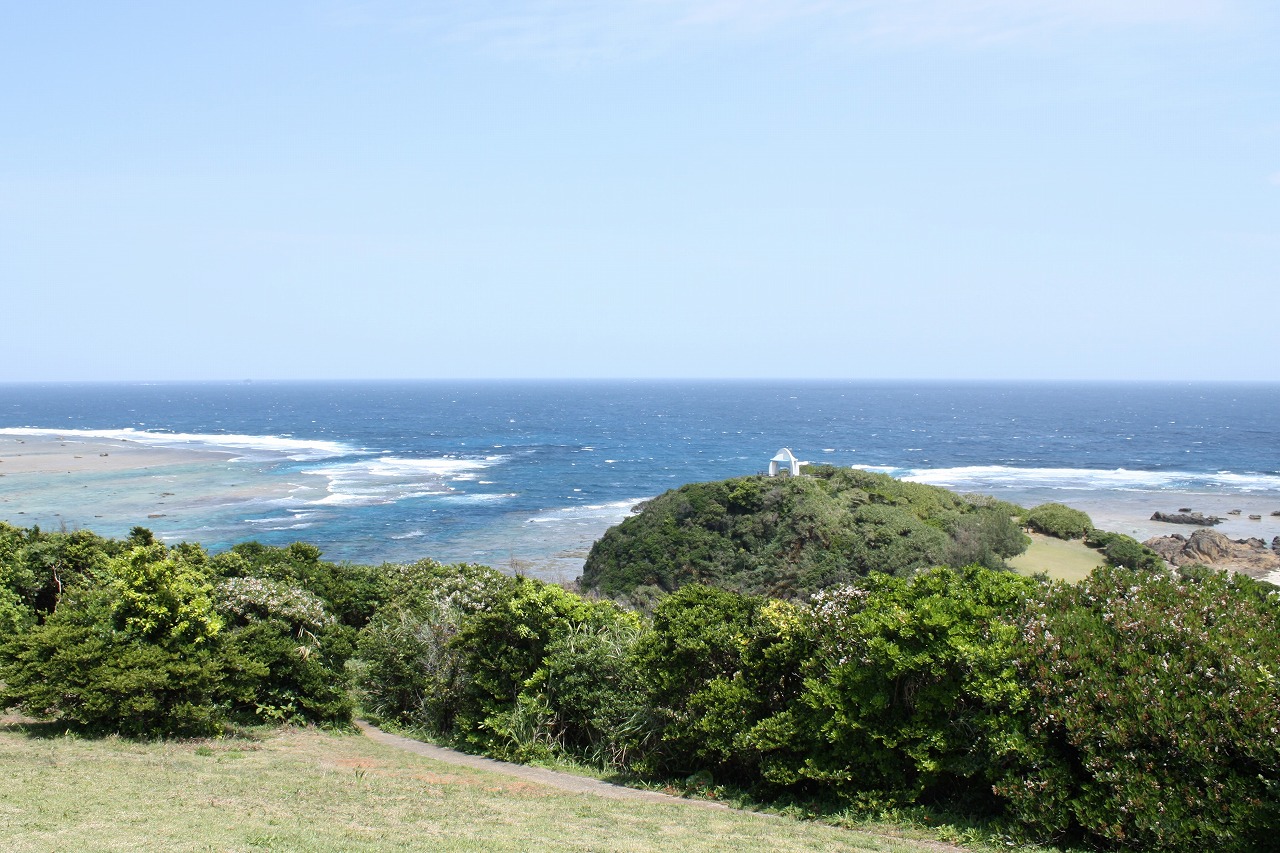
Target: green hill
x=787 y=536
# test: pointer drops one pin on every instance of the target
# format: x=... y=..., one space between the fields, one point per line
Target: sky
x=866 y=189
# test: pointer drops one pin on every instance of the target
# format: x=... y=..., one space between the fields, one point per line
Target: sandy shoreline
x=109 y=485
x=57 y=454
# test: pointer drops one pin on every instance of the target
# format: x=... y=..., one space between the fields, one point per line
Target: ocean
x=525 y=475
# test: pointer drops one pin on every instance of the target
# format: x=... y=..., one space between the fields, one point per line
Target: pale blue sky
x=1066 y=189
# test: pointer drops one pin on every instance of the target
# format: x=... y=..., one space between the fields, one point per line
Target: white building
x=787 y=458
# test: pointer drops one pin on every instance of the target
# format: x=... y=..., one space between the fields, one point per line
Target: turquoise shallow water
x=528 y=474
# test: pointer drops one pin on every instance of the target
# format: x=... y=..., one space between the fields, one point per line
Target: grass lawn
x=1060 y=559
x=306 y=790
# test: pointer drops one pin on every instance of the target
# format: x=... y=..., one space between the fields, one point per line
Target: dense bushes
x=1157 y=711
x=789 y=537
x=1059 y=520
x=911 y=692
x=77 y=666
x=411 y=668
x=510 y=666
x=133 y=652
x=138 y=638
x=1135 y=709
x=1121 y=550
x=715 y=665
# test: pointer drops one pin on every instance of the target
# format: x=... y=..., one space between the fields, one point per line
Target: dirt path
x=583 y=785
x=554 y=778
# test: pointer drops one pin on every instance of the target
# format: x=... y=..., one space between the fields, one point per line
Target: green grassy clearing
x=305 y=790
x=1062 y=560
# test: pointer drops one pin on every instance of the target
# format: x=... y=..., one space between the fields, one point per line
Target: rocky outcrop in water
x=1187 y=518
x=1211 y=548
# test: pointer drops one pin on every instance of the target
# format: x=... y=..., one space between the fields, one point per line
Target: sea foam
x=388 y=479
x=978 y=477
x=296 y=449
x=616 y=510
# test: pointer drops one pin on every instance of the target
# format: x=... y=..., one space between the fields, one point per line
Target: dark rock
x=1211 y=548
x=1187 y=518
x=1233 y=512
x=1275 y=544
x=1184 y=509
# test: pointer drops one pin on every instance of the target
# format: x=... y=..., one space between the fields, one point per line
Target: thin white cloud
x=586 y=29
x=976 y=22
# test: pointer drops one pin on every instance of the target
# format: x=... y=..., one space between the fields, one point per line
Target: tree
x=134 y=654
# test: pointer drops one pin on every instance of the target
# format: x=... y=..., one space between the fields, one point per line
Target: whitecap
x=387 y=479
x=977 y=477
x=481 y=498
x=339 y=499
x=613 y=510
x=295 y=449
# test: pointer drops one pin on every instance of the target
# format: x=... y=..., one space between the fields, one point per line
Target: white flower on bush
x=255 y=598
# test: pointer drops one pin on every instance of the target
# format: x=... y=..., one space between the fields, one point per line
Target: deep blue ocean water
x=528 y=474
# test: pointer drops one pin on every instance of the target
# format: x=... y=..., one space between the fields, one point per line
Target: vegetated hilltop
x=788 y=536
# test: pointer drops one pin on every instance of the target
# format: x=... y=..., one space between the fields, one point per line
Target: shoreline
x=55 y=453
x=109 y=485
x=216 y=496
x=1129 y=511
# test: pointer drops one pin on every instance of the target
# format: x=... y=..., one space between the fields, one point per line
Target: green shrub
x=289 y=653
x=414 y=670
x=1059 y=520
x=910 y=691
x=716 y=663
x=426 y=583
x=592 y=690
x=131 y=666
x=37 y=568
x=146 y=643
x=1121 y=550
x=350 y=593
x=503 y=645
x=1157 y=711
x=985 y=537
x=164 y=596
x=411 y=669
x=277 y=674
x=895 y=541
